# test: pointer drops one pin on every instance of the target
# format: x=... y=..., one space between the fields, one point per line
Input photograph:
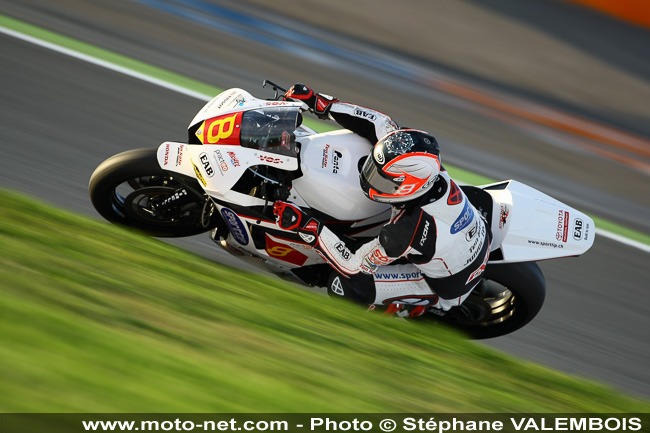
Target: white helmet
x=402 y=166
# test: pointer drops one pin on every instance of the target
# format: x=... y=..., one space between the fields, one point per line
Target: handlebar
x=276 y=97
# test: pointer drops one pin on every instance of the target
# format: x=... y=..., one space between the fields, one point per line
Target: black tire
x=128 y=188
x=508 y=298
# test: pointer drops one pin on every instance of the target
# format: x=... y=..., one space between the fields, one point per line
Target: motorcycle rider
x=433 y=225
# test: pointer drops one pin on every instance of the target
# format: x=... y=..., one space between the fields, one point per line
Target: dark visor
x=372 y=175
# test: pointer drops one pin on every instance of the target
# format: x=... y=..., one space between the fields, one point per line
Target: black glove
x=319 y=103
x=290 y=217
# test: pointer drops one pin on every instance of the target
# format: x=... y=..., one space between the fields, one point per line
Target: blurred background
x=552 y=93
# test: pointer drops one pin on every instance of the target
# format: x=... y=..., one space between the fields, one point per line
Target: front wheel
x=509 y=296
x=131 y=189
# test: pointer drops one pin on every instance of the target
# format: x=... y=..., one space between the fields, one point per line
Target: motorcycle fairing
x=233 y=101
x=330 y=182
x=282 y=249
x=529 y=225
x=218 y=168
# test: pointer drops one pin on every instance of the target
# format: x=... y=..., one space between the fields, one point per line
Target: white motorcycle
x=244 y=153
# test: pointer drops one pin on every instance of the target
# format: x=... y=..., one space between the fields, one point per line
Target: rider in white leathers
x=433 y=224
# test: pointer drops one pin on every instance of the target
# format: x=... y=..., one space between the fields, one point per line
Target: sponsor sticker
x=166 y=161
x=223 y=166
x=199 y=176
x=233 y=159
x=235 y=225
x=562 y=233
x=578 y=227
x=221 y=129
x=343 y=251
x=412 y=300
x=284 y=252
x=399 y=276
x=312 y=225
x=271 y=159
x=325 y=156
x=477 y=246
x=471 y=232
x=362 y=113
x=480 y=269
x=464 y=219
x=379 y=155
x=179 y=155
x=205 y=160
x=503 y=216
x=226 y=99
x=335 y=161
x=425 y=233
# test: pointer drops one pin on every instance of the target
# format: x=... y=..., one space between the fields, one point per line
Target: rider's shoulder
x=396 y=236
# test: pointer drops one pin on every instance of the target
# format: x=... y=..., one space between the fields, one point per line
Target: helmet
x=403 y=165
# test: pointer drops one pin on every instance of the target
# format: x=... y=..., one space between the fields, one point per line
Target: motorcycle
x=244 y=153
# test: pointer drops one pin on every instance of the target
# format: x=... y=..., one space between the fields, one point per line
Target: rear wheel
x=509 y=296
x=131 y=189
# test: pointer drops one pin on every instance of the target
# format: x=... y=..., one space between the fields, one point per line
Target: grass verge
x=95 y=318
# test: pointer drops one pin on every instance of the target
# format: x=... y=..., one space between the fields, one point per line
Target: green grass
x=94 y=318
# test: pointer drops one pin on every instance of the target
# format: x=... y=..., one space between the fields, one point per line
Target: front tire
x=131 y=189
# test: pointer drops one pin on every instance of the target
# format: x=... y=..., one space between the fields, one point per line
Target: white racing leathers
x=445 y=243
x=442 y=240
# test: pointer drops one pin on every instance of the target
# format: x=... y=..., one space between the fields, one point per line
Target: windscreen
x=270 y=130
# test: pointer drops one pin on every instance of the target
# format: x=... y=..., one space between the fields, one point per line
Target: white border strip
x=182 y=90
x=622 y=239
x=105 y=64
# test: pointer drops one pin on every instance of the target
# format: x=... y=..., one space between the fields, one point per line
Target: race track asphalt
x=61 y=117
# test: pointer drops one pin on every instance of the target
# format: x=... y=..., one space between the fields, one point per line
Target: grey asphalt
x=61 y=117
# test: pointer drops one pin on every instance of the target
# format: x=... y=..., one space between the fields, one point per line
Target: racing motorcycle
x=244 y=153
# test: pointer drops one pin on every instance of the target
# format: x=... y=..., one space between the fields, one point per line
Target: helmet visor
x=371 y=177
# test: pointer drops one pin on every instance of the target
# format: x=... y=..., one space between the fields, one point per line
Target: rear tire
x=131 y=189
x=508 y=298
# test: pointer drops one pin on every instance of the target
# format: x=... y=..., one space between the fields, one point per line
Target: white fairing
x=218 y=168
x=529 y=225
x=330 y=181
x=233 y=100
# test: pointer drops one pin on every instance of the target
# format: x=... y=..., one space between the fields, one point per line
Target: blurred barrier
x=634 y=11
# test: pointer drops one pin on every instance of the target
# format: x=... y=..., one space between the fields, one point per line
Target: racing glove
x=318 y=103
x=290 y=217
